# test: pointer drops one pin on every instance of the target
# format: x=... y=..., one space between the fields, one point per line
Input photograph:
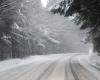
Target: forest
x=86 y=13
x=20 y=36
x=23 y=32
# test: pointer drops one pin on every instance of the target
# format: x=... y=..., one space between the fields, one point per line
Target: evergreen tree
x=8 y=13
x=18 y=36
x=86 y=13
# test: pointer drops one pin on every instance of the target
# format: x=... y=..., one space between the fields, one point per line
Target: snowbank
x=91 y=59
x=95 y=61
x=12 y=63
x=37 y=59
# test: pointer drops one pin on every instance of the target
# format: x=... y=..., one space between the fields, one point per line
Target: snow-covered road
x=53 y=67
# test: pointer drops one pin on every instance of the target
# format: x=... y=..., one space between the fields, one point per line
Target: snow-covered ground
x=12 y=63
x=72 y=66
x=91 y=58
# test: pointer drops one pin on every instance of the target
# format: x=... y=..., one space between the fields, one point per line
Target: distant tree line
x=19 y=37
x=86 y=13
x=15 y=40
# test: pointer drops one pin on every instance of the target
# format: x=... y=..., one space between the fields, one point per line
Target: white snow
x=44 y=3
x=12 y=63
x=91 y=58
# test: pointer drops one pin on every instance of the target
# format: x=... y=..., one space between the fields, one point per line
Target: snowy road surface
x=54 y=67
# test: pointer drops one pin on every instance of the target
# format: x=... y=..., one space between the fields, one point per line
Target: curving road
x=54 y=67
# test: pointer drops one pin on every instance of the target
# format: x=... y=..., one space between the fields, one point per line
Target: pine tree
x=86 y=13
x=12 y=35
x=16 y=37
x=8 y=12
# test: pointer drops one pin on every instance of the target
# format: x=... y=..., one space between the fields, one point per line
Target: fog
x=64 y=30
x=31 y=29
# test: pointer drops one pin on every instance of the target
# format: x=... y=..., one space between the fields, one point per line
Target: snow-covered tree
x=86 y=13
x=19 y=34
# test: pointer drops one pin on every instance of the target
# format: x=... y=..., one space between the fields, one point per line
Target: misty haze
x=49 y=40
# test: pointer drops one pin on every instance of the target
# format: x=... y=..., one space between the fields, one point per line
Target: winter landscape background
x=36 y=44
x=29 y=28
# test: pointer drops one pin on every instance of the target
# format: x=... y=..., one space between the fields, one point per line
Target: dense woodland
x=86 y=13
x=19 y=37
x=14 y=41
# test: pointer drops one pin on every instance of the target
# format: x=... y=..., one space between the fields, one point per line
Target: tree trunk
x=96 y=46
